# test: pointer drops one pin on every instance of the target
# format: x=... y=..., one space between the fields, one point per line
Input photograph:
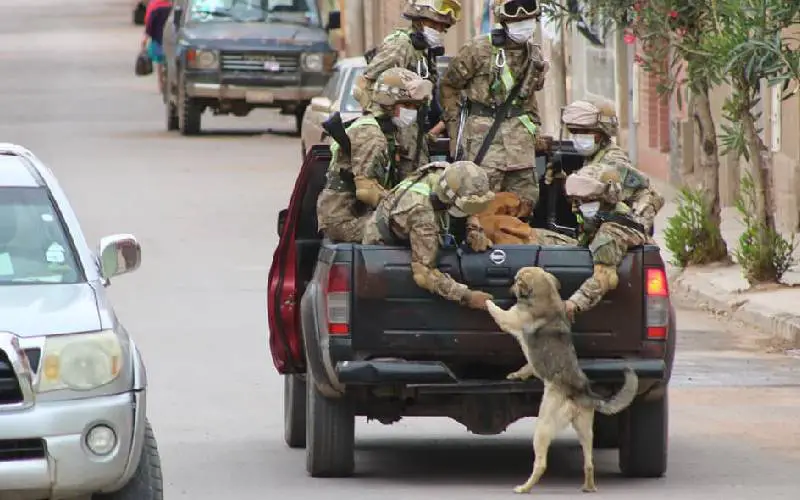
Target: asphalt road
x=205 y=208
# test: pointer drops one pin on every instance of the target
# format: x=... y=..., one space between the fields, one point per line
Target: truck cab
x=354 y=335
x=235 y=56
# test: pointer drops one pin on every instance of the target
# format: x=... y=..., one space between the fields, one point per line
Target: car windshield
x=349 y=103
x=289 y=11
x=34 y=247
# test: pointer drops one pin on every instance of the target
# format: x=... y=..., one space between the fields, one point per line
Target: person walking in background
x=155 y=18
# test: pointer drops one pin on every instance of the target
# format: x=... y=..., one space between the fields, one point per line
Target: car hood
x=47 y=309
x=256 y=35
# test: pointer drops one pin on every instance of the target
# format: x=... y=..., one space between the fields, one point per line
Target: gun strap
x=499 y=117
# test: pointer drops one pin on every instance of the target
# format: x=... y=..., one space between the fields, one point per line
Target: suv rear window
x=34 y=246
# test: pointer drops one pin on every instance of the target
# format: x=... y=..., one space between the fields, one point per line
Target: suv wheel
x=294 y=411
x=330 y=434
x=146 y=483
x=643 y=438
x=189 y=113
x=298 y=118
x=171 y=110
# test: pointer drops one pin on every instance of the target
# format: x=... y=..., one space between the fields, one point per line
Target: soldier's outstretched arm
x=370 y=161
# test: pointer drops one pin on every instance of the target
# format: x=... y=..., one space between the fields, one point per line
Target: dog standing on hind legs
x=539 y=323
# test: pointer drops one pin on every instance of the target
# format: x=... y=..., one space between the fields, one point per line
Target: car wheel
x=302 y=151
x=146 y=483
x=189 y=113
x=330 y=434
x=298 y=119
x=294 y=411
x=171 y=109
x=138 y=14
x=644 y=437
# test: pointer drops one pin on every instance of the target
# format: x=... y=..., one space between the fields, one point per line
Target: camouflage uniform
x=410 y=214
x=509 y=162
x=397 y=50
x=610 y=179
x=355 y=183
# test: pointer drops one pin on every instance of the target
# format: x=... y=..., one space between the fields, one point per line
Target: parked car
x=338 y=96
x=234 y=56
x=354 y=335
x=73 y=385
x=139 y=9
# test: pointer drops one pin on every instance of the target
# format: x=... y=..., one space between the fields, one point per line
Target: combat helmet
x=514 y=10
x=400 y=85
x=441 y=11
x=588 y=116
x=465 y=186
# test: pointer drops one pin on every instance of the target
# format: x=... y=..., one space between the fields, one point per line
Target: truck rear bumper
x=432 y=375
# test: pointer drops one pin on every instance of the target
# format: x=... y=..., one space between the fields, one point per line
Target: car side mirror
x=119 y=254
x=282 y=220
x=177 y=13
x=321 y=104
x=334 y=20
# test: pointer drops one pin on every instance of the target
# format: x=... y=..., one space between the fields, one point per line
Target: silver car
x=73 y=406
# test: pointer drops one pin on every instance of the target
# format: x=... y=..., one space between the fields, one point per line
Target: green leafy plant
x=691 y=236
x=761 y=263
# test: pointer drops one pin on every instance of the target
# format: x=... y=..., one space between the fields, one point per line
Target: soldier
x=364 y=160
x=418 y=211
x=617 y=202
x=414 y=48
x=488 y=70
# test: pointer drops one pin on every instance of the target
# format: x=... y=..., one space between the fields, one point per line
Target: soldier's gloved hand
x=477 y=240
x=475 y=299
x=570 y=308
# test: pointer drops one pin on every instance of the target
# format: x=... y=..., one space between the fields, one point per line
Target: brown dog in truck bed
x=539 y=323
x=502 y=224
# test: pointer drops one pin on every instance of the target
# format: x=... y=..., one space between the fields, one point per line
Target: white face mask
x=584 y=144
x=521 y=31
x=432 y=36
x=589 y=209
x=406 y=117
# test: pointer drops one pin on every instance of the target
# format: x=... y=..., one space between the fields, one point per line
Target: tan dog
x=539 y=323
x=502 y=225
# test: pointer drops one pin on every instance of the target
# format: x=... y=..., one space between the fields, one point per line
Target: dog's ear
x=554 y=281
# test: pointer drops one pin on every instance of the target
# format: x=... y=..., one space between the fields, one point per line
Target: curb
x=780 y=325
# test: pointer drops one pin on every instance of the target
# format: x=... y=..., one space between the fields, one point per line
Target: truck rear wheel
x=644 y=437
x=330 y=434
x=294 y=411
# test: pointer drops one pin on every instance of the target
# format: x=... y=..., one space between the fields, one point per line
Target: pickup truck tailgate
x=392 y=316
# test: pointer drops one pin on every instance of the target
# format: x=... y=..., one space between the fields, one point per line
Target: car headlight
x=80 y=362
x=312 y=62
x=202 y=59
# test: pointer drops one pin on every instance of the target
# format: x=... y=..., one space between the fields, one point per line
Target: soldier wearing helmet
x=486 y=70
x=418 y=211
x=414 y=48
x=363 y=169
x=616 y=202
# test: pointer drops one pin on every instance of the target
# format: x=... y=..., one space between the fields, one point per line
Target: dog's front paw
x=522 y=488
x=522 y=374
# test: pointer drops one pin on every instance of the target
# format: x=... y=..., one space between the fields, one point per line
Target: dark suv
x=233 y=56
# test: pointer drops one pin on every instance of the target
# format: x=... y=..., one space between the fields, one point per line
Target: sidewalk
x=723 y=289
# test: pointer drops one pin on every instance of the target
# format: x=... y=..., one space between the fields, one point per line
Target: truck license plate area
x=259 y=96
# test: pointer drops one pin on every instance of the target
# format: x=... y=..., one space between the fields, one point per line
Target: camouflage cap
x=591 y=116
x=400 y=85
x=441 y=11
x=514 y=10
x=466 y=186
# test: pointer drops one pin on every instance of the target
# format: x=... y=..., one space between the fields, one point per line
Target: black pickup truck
x=353 y=335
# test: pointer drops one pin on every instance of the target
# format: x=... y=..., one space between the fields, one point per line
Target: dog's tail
x=618 y=402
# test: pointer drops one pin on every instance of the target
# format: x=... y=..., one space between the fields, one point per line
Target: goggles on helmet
x=516 y=8
x=444 y=7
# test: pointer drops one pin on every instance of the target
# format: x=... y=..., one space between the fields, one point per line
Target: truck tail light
x=656 y=304
x=337 y=299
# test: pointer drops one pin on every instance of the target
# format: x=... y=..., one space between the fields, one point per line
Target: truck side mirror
x=282 y=220
x=334 y=20
x=177 y=13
